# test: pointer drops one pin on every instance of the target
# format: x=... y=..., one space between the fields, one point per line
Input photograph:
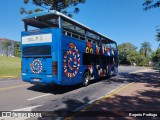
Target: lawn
x=10 y=66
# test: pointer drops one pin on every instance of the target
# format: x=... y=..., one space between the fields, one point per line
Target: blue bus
x=59 y=50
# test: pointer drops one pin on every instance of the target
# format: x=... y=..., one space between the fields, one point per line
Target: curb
x=98 y=100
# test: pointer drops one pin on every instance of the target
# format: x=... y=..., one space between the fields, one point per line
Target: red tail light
x=54 y=68
x=21 y=66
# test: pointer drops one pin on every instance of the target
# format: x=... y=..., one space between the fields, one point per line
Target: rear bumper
x=40 y=79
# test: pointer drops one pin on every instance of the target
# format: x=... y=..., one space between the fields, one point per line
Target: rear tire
x=85 y=80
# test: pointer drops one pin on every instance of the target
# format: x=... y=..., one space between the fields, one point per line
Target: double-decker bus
x=59 y=50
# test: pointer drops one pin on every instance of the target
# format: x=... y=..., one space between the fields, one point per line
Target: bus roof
x=29 y=19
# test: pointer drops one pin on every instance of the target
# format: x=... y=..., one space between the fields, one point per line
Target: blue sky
x=120 y=20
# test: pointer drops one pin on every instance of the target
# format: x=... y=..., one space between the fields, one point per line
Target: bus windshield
x=37 y=50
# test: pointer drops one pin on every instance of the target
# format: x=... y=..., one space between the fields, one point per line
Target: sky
x=120 y=20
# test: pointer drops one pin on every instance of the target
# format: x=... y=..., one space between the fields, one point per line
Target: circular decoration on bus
x=71 y=61
x=36 y=66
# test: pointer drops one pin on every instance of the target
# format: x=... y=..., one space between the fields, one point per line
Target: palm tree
x=158 y=34
x=145 y=48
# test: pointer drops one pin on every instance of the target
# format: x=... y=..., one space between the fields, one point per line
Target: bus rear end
x=39 y=65
x=40 y=48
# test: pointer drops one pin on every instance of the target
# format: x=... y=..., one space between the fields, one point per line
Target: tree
x=17 y=52
x=158 y=34
x=156 y=56
x=145 y=48
x=148 y=4
x=58 y=5
x=145 y=52
x=127 y=53
x=6 y=45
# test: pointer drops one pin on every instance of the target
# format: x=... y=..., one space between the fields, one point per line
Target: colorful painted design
x=90 y=67
x=107 y=50
x=89 y=48
x=97 y=50
x=36 y=66
x=71 y=61
x=100 y=50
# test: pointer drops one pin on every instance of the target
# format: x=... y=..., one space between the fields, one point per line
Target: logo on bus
x=36 y=66
x=71 y=61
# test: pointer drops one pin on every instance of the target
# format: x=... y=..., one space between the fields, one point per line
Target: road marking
x=9 y=80
x=39 y=96
x=116 y=91
x=12 y=87
x=91 y=103
x=143 y=70
x=6 y=81
x=9 y=77
x=27 y=108
x=124 y=69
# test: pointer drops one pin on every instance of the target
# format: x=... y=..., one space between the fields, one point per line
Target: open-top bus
x=59 y=50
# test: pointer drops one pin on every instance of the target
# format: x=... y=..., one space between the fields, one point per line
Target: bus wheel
x=85 y=81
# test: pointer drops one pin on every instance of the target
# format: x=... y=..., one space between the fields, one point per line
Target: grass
x=10 y=66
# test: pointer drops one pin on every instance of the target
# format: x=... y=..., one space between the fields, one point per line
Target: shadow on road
x=55 y=89
x=145 y=98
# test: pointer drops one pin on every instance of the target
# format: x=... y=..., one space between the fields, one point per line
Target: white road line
x=143 y=70
x=27 y=108
x=39 y=96
x=7 y=81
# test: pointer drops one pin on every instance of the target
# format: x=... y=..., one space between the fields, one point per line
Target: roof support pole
x=86 y=35
x=25 y=27
x=60 y=23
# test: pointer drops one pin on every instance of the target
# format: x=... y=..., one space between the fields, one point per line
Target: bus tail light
x=21 y=66
x=54 y=68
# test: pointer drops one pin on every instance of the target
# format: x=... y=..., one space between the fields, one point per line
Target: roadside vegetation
x=10 y=66
x=130 y=55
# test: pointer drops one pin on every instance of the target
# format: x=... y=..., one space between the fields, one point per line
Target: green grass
x=10 y=66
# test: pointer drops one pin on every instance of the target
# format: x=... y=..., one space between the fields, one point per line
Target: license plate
x=36 y=80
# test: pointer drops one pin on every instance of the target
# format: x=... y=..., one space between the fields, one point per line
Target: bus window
x=107 y=60
x=86 y=59
x=111 y=60
x=75 y=36
x=113 y=46
x=37 y=50
x=82 y=38
x=103 y=59
x=69 y=34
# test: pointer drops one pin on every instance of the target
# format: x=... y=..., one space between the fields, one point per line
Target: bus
x=59 y=50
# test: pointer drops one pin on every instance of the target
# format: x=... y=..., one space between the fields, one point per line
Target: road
x=18 y=95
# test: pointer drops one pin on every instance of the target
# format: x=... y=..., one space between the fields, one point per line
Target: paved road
x=17 y=95
x=138 y=98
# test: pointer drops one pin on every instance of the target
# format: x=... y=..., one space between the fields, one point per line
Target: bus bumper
x=40 y=79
